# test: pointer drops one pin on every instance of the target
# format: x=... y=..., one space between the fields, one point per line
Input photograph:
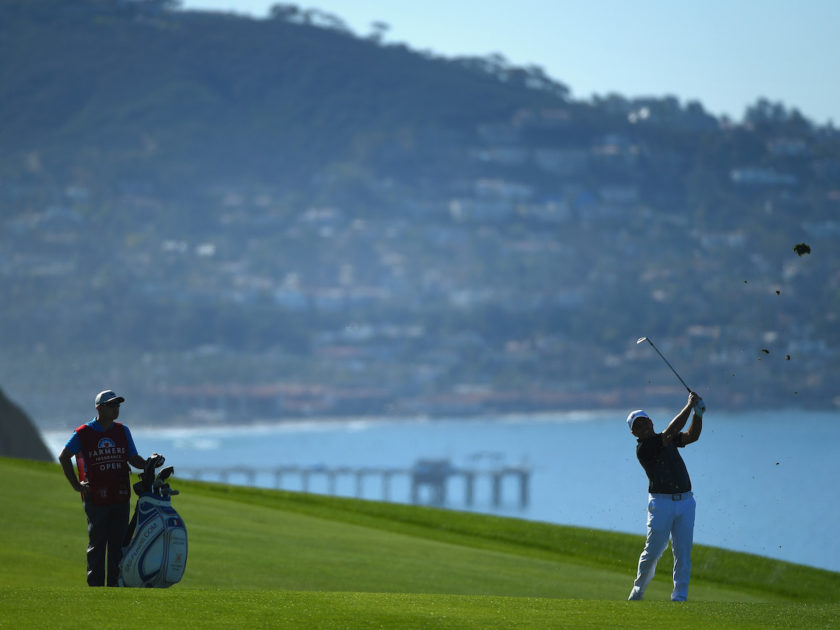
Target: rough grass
x=261 y=558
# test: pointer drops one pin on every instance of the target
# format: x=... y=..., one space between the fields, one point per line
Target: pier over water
x=434 y=482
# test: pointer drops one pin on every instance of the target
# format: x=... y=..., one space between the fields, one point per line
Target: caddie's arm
x=67 y=466
x=679 y=420
x=136 y=461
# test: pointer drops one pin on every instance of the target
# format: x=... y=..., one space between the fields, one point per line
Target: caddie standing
x=671 y=503
x=107 y=449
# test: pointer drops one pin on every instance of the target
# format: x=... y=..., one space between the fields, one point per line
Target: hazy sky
x=723 y=53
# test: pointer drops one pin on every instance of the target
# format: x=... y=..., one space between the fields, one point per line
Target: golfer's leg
x=658 y=533
x=97 y=543
x=683 y=539
x=117 y=526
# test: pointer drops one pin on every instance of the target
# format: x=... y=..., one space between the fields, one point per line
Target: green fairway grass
x=261 y=558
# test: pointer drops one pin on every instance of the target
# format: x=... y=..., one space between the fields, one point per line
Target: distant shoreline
x=138 y=425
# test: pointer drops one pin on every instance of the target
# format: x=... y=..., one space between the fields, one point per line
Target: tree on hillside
x=284 y=12
x=531 y=77
x=378 y=31
x=311 y=17
x=155 y=5
x=766 y=114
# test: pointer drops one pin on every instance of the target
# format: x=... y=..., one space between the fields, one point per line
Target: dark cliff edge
x=18 y=435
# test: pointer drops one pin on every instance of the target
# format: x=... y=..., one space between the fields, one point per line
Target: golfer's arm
x=676 y=425
x=67 y=466
x=694 y=429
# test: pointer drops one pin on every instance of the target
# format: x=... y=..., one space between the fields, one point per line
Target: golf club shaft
x=668 y=364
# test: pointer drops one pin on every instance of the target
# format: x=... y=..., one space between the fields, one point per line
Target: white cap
x=634 y=415
x=106 y=397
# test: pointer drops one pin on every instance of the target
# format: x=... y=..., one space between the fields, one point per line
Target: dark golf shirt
x=663 y=465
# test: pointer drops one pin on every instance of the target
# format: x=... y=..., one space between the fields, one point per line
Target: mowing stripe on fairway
x=211 y=609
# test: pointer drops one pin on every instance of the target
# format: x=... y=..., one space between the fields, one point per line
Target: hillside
x=107 y=89
x=18 y=436
x=292 y=560
x=232 y=218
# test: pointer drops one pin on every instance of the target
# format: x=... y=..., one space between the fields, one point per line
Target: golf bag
x=155 y=547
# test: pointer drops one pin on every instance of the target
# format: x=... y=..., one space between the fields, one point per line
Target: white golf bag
x=155 y=550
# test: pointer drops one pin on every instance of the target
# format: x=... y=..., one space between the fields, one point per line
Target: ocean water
x=763 y=481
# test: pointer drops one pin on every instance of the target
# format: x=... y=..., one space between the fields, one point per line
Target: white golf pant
x=669 y=516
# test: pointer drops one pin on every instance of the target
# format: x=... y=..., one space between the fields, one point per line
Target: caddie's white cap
x=108 y=396
x=634 y=415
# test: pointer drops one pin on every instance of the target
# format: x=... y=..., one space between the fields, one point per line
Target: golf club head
x=161 y=488
x=166 y=491
x=155 y=461
x=147 y=477
x=146 y=483
x=641 y=339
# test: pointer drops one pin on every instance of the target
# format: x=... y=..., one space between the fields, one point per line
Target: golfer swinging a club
x=671 y=503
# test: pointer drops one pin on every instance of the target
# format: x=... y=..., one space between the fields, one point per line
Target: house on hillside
x=756 y=176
